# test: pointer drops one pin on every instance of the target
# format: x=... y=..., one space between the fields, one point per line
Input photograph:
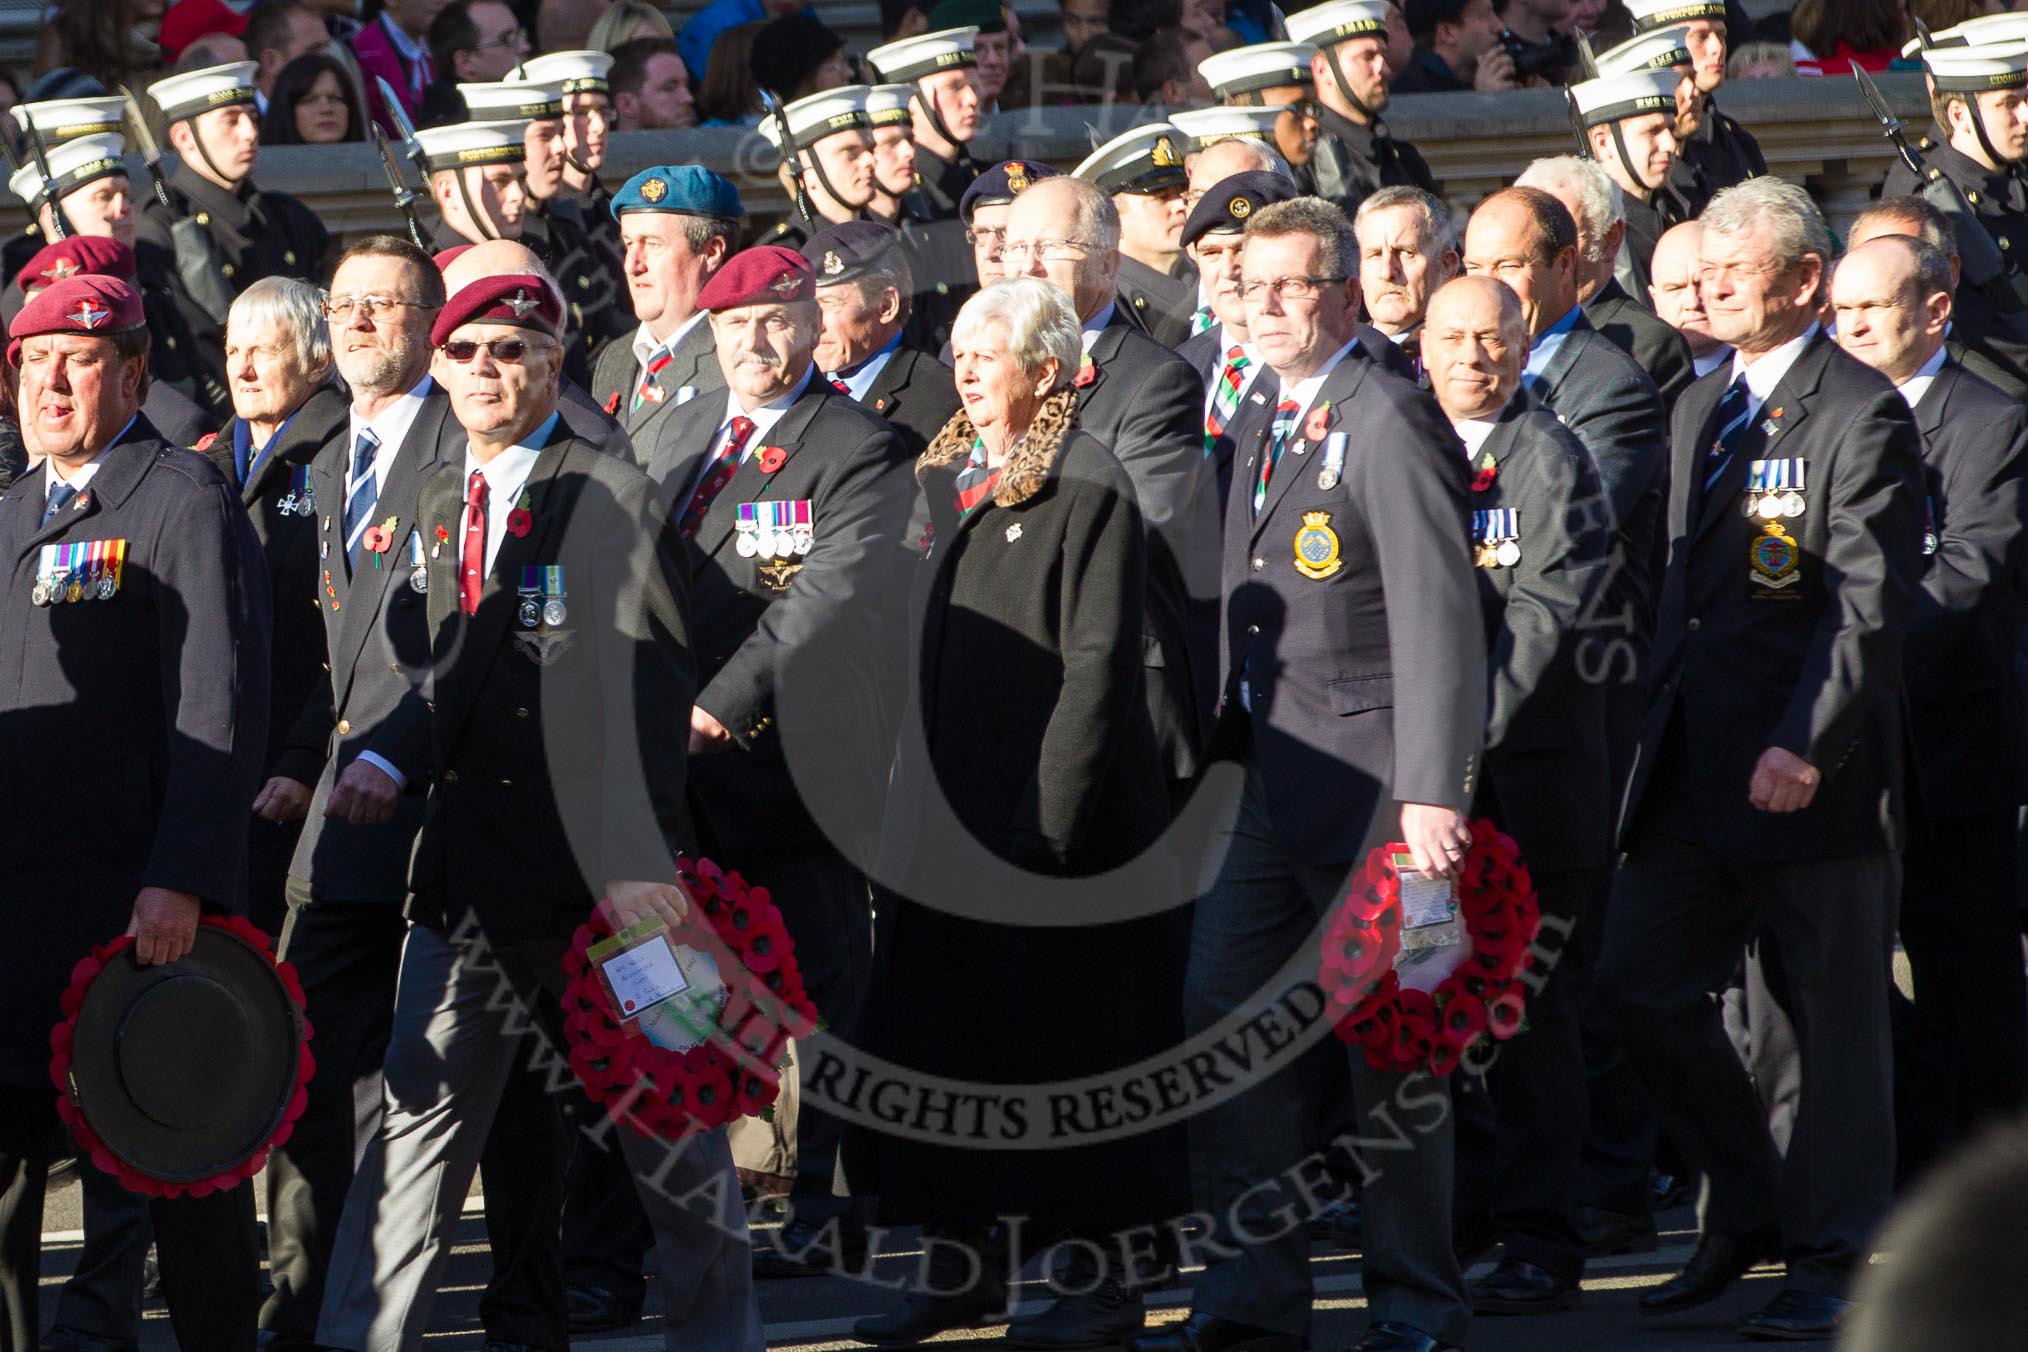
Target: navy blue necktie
x=61 y=498
x=1733 y=416
x=365 y=494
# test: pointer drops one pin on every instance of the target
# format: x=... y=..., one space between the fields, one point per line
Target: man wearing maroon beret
x=134 y=636
x=793 y=499
x=551 y=729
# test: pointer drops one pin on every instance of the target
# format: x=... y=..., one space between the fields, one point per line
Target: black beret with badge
x=1001 y=184
x=1231 y=202
x=846 y=252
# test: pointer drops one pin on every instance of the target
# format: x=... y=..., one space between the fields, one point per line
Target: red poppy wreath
x=733 y=1069
x=1401 y=1027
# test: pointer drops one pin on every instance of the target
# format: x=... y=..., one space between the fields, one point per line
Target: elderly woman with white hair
x=286 y=406
x=1027 y=767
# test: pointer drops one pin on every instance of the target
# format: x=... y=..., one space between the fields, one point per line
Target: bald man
x=1993 y=346
x=1672 y=287
x=1541 y=545
x=1959 y=919
x=580 y=412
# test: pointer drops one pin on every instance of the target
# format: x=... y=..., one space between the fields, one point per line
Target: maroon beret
x=515 y=298
x=766 y=274
x=78 y=254
x=450 y=256
x=88 y=305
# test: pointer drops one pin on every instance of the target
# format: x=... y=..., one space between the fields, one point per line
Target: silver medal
x=419 y=578
x=107 y=587
x=1792 y=503
x=1771 y=507
x=531 y=613
x=553 y=613
x=1508 y=554
x=41 y=594
x=746 y=545
x=1327 y=479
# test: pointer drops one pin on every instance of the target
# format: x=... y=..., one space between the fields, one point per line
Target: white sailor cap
x=924 y=54
x=72 y=164
x=1651 y=14
x=512 y=101
x=813 y=118
x=1659 y=49
x=1967 y=70
x=463 y=145
x=1145 y=159
x=1987 y=29
x=1209 y=126
x=1332 y=23
x=574 y=72
x=200 y=91
x=1264 y=65
x=61 y=119
x=1614 y=98
x=888 y=104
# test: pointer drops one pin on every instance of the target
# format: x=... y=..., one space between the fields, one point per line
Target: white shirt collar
x=390 y=429
x=506 y=475
x=646 y=345
x=80 y=477
x=1711 y=360
x=767 y=415
x=1917 y=385
x=1766 y=371
x=1098 y=321
x=1474 y=431
x=860 y=382
x=1304 y=391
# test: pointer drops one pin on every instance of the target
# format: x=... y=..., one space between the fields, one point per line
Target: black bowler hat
x=187 y=1072
x=841 y=253
x=1231 y=202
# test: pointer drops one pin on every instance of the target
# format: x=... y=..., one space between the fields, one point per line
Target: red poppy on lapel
x=204 y=442
x=613 y=404
x=518 y=522
x=772 y=458
x=1489 y=470
x=1087 y=372
x=378 y=538
x=442 y=535
x=1318 y=423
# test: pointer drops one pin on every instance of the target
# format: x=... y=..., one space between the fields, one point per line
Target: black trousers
x=1521 y=1130
x=208 y=1246
x=1681 y=915
x=1962 y=1048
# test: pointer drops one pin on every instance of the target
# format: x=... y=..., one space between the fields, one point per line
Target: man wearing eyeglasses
x=552 y=728
x=1354 y=683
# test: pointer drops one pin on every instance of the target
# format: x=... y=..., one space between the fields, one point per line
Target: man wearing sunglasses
x=552 y=728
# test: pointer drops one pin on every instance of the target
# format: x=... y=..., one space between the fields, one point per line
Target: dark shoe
x=1604 y=1233
x=61 y=1339
x=1390 y=1336
x=801 y=1249
x=1667 y=1190
x=1100 y=1318
x=1209 y=1333
x=1718 y=1262
x=590 y=1308
x=1797 y=1317
x=1474 y=1245
x=1516 y=1287
x=922 y=1315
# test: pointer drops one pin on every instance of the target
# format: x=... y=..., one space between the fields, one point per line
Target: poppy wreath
x=1401 y=1028
x=736 y=1071
x=60 y=1037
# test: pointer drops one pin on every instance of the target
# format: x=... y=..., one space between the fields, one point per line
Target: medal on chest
x=1496 y=535
x=1774 y=489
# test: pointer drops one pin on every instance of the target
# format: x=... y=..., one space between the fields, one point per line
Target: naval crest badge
x=1317 y=547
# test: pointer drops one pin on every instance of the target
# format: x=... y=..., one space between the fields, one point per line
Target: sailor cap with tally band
x=61 y=119
x=1146 y=159
x=1265 y=65
x=90 y=306
x=464 y=145
x=1649 y=14
x=1208 y=126
x=1662 y=49
x=1338 y=21
x=812 y=119
x=77 y=256
x=1986 y=30
x=1614 y=98
x=1971 y=70
x=1231 y=203
x=887 y=105
x=685 y=189
x=512 y=101
x=910 y=59
x=520 y=299
x=203 y=91
x=573 y=72
x=72 y=164
x=847 y=252
x=766 y=274
x=1001 y=184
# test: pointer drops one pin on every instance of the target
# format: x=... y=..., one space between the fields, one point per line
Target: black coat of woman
x=1027 y=758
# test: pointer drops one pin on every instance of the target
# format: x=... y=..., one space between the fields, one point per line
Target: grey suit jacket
x=692 y=371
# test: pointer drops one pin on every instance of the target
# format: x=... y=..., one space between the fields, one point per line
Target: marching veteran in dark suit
x=1965 y=1056
x=1027 y=757
x=678 y=224
x=135 y=644
x=790 y=497
x=1355 y=696
x=1766 y=794
x=1541 y=546
x=557 y=698
x=1144 y=402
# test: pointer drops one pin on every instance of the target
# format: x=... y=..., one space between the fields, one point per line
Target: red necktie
x=472 y=566
x=648 y=390
x=717 y=475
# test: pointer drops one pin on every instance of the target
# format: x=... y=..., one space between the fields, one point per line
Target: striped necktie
x=1278 y=438
x=1733 y=414
x=716 y=476
x=647 y=389
x=60 y=497
x=975 y=481
x=1202 y=321
x=365 y=494
x=1225 y=396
